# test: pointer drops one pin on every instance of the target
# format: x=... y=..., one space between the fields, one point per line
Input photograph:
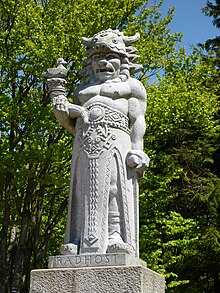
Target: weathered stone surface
x=107 y=117
x=93 y=260
x=122 y=279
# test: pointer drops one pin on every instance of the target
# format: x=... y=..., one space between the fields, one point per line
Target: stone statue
x=108 y=120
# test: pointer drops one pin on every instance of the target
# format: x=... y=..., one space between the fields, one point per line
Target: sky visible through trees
x=189 y=19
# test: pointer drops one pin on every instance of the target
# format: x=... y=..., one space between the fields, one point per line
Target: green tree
x=35 y=152
x=180 y=235
x=212 y=9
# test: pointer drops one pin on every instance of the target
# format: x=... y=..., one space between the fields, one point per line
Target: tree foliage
x=181 y=189
x=179 y=200
x=212 y=9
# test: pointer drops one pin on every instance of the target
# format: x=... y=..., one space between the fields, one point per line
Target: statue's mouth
x=104 y=70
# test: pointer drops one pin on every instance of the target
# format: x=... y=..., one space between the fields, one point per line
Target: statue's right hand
x=60 y=108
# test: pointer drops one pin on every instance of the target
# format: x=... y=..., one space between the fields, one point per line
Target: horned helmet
x=112 y=41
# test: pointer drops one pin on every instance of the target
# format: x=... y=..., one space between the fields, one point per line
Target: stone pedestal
x=125 y=276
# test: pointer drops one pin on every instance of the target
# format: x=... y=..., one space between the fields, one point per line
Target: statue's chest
x=88 y=93
x=113 y=90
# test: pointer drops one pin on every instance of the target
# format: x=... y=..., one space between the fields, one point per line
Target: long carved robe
x=100 y=150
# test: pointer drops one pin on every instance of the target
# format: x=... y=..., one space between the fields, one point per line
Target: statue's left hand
x=138 y=160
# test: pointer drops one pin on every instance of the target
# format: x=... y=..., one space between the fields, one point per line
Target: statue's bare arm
x=137 y=159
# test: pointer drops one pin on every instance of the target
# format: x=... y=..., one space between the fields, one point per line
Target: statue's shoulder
x=80 y=88
x=137 y=89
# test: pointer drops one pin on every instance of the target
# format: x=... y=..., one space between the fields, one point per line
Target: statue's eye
x=115 y=41
x=95 y=40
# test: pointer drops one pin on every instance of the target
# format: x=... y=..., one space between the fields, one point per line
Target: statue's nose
x=101 y=46
x=103 y=62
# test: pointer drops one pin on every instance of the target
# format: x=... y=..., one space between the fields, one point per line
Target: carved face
x=106 y=66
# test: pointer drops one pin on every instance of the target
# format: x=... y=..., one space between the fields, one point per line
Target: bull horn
x=131 y=39
x=87 y=42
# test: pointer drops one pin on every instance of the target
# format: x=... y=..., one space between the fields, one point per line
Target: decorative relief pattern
x=93 y=203
x=105 y=196
x=101 y=114
x=96 y=135
x=96 y=138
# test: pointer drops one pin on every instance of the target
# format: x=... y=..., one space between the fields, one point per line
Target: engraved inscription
x=85 y=260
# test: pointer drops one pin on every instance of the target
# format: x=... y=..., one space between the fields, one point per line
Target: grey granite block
x=118 y=279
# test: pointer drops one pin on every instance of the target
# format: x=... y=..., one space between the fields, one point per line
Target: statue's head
x=109 y=55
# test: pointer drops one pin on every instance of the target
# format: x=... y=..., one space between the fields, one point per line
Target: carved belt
x=101 y=114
